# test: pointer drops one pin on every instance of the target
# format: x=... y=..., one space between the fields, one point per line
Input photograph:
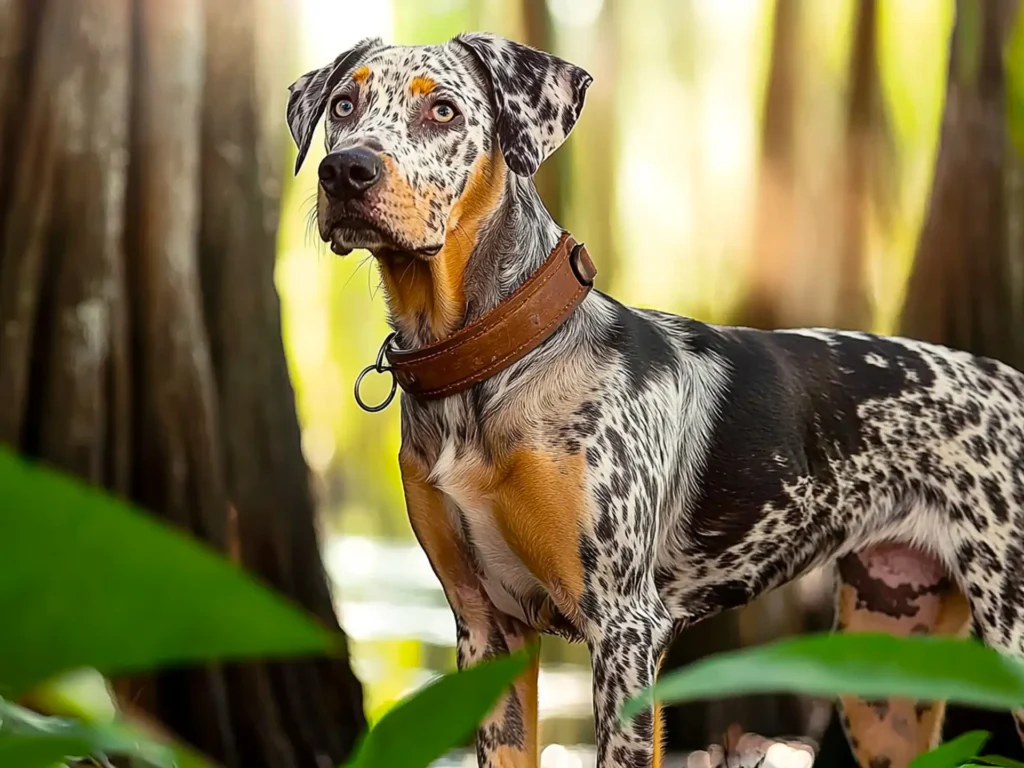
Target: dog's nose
x=348 y=173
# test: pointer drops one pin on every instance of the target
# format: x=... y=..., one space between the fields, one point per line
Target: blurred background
x=164 y=301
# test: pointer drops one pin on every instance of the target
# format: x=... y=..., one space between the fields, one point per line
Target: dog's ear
x=307 y=96
x=538 y=98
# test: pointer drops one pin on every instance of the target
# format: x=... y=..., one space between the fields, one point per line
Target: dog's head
x=419 y=139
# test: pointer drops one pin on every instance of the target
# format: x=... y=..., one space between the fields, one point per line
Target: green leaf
x=438 y=717
x=81 y=693
x=118 y=738
x=22 y=751
x=1003 y=762
x=953 y=754
x=869 y=664
x=88 y=581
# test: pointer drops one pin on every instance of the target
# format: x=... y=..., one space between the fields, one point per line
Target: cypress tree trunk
x=140 y=342
x=967 y=282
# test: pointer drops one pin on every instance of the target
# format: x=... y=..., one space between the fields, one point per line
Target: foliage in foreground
x=81 y=569
x=82 y=572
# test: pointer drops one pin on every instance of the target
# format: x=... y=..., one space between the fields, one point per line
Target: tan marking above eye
x=361 y=74
x=422 y=85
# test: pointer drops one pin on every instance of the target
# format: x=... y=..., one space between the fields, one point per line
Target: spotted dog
x=640 y=471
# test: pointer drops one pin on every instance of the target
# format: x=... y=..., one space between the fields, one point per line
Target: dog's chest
x=469 y=484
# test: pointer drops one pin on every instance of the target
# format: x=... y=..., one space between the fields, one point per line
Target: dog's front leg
x=626 y=648
x=508 y=736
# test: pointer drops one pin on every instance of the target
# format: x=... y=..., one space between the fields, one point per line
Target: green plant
x=959 y=751
x=82 y=570
x=442 y=714
x=872 y=665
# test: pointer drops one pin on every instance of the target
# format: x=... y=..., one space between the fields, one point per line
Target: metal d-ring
x=378 y=367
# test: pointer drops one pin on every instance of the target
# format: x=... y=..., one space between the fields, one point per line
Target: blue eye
x=343 y=107
x=442 y=112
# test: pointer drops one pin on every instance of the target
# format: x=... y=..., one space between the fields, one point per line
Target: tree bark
x=140 y=173
x=967 y=283
x=695 y=725
x=965 y=287
x=776 y=221
x=866 y=174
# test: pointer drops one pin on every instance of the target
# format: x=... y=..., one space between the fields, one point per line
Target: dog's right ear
x=307 y=96
x=538 y=97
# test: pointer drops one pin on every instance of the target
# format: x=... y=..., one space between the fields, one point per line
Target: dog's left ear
x=538 y=98
x=307 y=96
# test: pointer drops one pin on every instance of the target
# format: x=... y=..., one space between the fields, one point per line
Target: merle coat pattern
x=639 y=471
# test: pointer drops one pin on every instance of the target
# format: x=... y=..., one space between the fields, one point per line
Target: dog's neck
x=499 y=234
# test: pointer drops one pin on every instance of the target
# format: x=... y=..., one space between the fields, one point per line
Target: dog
x=637 y=471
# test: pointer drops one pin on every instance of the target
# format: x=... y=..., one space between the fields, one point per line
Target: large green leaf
x=868 y=664
x=23 y=751
x=953 y=754
x=438 y=717
x=87 y=581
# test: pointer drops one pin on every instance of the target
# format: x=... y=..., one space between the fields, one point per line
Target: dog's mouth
x=352 y=228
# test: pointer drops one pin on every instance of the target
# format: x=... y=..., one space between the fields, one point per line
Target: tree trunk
x=966 y=287
x=792 y=285
x=810 y=243
x=776 y=221
x=140 y=172
x=866 y=174
x=695 y=725
x=966 y=283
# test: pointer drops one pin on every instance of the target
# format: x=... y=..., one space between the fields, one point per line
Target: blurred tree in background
x=799 y=279
x=967 y=282
x=141 y=158
x=763 y=162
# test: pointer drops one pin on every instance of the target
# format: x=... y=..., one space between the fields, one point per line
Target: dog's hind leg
x=899 y=591
x=992 y=569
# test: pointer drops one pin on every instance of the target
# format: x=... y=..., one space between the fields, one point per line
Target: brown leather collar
x=506 y=334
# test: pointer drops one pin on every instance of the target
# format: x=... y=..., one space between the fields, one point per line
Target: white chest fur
x=470 y=502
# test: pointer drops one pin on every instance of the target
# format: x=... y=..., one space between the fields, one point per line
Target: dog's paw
x=753 y=751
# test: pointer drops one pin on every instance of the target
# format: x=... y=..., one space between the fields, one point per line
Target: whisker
x=376 y=290
x=356 y=270
x=369 y=285
x=309 y=228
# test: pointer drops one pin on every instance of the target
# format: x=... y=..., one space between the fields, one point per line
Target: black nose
x=348 y=173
